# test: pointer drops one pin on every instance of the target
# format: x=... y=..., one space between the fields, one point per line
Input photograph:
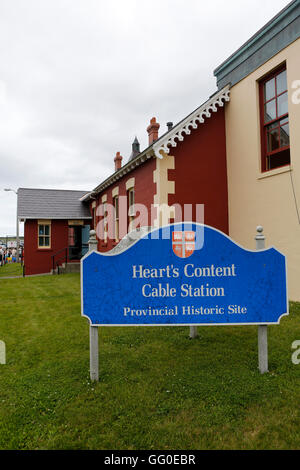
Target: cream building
x=263 y=138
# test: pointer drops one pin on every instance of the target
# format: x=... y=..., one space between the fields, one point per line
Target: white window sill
x=277 y=171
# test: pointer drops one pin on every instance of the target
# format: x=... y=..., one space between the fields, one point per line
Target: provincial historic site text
x=190 y=310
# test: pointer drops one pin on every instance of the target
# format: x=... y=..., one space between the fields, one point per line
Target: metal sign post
x=193 y=332
x=94 y=337
x=262 y=329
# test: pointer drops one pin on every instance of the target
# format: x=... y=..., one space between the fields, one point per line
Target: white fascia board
x=184 y=128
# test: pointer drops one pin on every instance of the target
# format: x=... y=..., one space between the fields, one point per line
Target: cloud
x=79 y=79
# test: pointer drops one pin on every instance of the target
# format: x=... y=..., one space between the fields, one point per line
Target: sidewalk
x=29 y=275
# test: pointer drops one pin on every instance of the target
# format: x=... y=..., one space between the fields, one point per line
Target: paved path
x=9 y=277
x=29 y=275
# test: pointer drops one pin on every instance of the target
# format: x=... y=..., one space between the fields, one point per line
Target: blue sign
x=184 y=274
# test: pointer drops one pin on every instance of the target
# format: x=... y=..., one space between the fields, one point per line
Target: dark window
x=131 y=212
x=75 y=242
x=116 y=217
x=275 y=132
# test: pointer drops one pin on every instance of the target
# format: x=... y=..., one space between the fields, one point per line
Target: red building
x=56 y=228
x=185 y=167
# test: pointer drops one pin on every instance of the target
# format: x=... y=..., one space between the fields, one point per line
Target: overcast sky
x=80 y=78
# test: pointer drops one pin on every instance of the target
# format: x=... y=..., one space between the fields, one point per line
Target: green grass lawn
x=157 y=389
x=11 y=269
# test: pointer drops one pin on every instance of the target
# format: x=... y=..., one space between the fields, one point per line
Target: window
x=44 y=234
x=116 y=215
x=103 y=225
x=275 y=133
x=94 y=219
x=131 y=212
x=105 y=228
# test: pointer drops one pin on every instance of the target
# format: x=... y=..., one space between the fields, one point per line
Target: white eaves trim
x=146 y=155
x=85 y=197
x=184 y=128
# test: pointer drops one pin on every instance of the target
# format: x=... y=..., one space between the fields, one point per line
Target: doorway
x=78 y=238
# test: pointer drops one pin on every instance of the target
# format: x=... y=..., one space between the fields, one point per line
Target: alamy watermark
x=2 y=352
x=296 y=93
x=296 y=354
x=115 y=220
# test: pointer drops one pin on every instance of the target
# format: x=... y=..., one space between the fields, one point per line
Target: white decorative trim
x=115 y=192
x=178 y=133
x=130 y=183
x=126 y=169
x=164 y=188
x=104 y=198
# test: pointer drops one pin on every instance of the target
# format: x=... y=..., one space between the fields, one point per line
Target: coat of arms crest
x=183 y=244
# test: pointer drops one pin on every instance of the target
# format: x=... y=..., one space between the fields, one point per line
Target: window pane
x=281 y=82
x=269 y=89
x=41 y=241
x=47 y=241
x=273 y=139
x=116 y=207
x=47 y=229
x=284 y=135
x=279 y=159
x=270 y=111
x=272 y=126
x=41 y=229
x=284 y=121
x=282 y=103
x=131 y=197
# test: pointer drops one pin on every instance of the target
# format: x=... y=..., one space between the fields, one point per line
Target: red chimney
x=118 y=161
x=153 y=130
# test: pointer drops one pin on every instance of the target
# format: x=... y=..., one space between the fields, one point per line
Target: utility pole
x=17 y=226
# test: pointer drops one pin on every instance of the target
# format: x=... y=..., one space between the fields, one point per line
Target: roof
x=51 y=204
x=161 y=146
x=274 y=36
x=135 y=149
